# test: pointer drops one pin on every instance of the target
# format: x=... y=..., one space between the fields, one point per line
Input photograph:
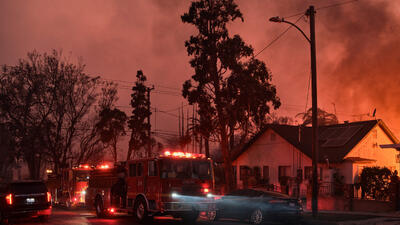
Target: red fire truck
x=175 y=183
x=69 y=188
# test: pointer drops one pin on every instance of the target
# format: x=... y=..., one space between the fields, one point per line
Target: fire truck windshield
x=82 y=175
x=184 y=168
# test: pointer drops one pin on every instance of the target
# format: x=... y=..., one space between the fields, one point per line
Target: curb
x=373 y=221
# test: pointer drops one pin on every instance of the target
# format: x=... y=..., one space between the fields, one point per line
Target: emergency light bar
x=83 y=167
x=182 y=155
x=104 y=166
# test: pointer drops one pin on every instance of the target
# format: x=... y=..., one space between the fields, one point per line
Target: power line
x=323 y=7
x=277 y=37
x=336 y=4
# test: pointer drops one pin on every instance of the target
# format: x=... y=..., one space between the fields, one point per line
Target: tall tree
x=46 y=100
x=7 y=152
x=228 y=81
x=73 y=93
x=140 y=112
x=25 y=105
x=91 y=146
x=324 y=118
x=111 y=127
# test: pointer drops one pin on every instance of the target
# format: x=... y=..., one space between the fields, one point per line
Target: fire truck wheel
x=140 y=210
x=191 y=217
x=99 y=208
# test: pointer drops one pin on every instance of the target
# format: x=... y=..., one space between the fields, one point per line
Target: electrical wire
x=277 y=37
x=336 y=4
x=323 y=7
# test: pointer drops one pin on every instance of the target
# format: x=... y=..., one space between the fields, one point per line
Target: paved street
x=84 y=217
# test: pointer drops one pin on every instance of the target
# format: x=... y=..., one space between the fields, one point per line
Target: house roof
x=360 y=160
x=335 y=141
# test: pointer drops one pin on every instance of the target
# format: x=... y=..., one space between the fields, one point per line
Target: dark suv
x=24 y=198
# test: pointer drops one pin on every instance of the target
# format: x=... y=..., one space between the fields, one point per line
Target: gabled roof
x=335 y=141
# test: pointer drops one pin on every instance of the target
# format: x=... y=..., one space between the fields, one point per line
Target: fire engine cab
x=175 y=183
x=69 y=188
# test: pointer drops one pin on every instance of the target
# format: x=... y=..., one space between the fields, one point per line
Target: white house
x=280 y=155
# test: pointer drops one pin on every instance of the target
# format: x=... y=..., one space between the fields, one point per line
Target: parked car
x=24 y=198
x=258 y=206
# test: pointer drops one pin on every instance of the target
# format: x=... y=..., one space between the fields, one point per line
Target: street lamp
x=311 y=12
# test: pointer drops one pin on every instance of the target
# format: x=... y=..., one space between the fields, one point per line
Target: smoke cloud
x=358 y=49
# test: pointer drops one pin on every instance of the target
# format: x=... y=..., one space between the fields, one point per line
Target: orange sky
x=358 y=49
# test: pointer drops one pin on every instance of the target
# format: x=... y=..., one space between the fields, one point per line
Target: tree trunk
x=207 y=147
x=227 y=162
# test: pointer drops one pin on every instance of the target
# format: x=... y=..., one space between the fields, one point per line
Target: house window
x=244 y=172
x=132 y=170
x=152 y=168
x=265 y=172
x=265 y=175
x=234 y=175
x=257 y=173
x=273 y=137
x=139 y=169
x=284 y=171
x=307 y=172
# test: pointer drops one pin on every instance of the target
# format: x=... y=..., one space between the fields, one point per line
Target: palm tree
x=324 y=118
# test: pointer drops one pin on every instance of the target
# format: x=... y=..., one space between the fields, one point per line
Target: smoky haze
x=366 y=73
x=358 y=55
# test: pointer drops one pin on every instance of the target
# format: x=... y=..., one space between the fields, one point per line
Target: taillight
x=111 y=210
x=48 y=197
x=9 y=199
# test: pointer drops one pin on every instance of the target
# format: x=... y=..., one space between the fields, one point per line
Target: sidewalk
x=351 y=218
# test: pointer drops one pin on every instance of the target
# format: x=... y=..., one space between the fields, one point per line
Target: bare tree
x=46 y=100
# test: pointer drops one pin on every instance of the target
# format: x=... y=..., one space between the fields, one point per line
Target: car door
x=231 y=205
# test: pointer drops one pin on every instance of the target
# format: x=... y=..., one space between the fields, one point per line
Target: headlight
x=174 y=195
x=209 y=195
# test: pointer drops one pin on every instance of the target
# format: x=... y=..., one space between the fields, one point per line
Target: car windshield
x=28 y=187
x=275 y=194
x=183 y=168
x=246 y=193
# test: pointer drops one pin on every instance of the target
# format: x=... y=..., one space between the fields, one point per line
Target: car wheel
x=217 y=215
x=140 y=210
x=99 y=208
x=256 y=216
x=212 y=215
x=44 y=218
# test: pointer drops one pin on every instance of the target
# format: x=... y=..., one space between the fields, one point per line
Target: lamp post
x=311 y=12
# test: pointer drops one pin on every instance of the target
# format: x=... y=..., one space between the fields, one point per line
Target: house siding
x=273 y=151
x=369 y=148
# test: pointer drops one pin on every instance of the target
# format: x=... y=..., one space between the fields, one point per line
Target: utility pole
x=315 y=155
x=311 y=13
x=148 y=121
